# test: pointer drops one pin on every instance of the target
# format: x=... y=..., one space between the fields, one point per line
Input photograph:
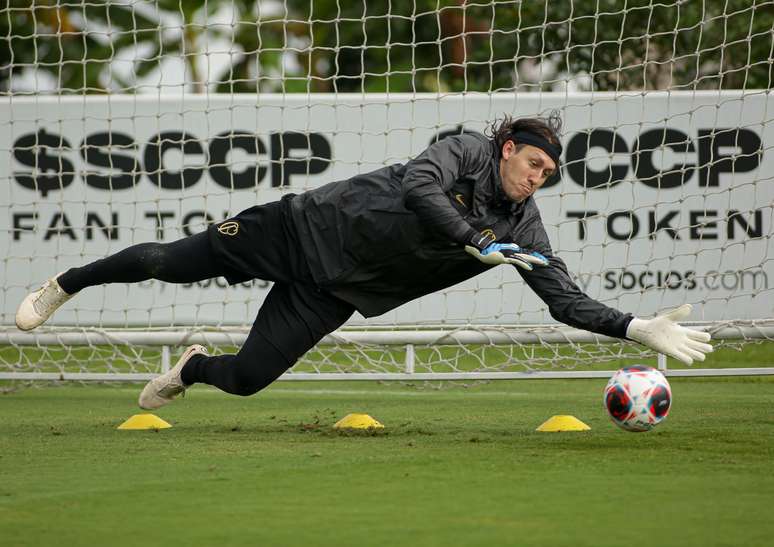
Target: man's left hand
x=664 y=334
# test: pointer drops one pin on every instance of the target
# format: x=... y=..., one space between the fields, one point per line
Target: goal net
x=126 y=122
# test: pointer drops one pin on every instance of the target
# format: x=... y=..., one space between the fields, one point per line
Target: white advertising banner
x=665 y=198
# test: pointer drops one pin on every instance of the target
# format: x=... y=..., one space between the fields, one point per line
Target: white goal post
x=666 y=196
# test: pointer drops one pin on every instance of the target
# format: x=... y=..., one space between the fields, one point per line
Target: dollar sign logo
x=42 y=151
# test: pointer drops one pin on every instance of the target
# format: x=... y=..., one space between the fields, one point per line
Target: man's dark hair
x=549 y=128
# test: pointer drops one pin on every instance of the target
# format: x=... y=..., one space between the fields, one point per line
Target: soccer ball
x=638 y=398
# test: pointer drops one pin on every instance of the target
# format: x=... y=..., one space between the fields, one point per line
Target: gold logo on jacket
x=229 y=228
x=488 y=232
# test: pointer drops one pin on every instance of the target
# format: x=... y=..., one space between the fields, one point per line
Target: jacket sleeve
x=433 y=172
x=571 y=306
x=566 y=302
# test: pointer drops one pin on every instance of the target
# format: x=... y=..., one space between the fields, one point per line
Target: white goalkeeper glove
x=664 y=335
x=508 y=253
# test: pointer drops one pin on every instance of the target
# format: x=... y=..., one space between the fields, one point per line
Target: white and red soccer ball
x=638 y=398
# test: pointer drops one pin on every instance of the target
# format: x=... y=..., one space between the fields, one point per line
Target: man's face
x=524 y=171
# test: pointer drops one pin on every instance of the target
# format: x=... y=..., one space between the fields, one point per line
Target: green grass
x=457 y=466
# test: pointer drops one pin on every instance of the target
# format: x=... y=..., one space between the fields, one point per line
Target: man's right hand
x=508 y=253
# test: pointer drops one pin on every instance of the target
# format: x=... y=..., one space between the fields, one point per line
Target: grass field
x=456 y=466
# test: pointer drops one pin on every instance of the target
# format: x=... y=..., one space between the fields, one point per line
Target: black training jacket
x=381 y=239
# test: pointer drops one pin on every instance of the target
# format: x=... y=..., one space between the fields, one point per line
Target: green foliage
x=49 y=36
x=423 y=45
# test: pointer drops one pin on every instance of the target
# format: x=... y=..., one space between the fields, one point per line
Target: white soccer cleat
x=38 y=306
x=162 y=389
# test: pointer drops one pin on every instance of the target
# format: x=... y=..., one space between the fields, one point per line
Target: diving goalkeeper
x=372 y=243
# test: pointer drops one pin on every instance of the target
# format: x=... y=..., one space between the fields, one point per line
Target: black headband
x=528 y=137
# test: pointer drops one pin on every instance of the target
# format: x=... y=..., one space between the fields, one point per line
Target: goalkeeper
x=372 y=243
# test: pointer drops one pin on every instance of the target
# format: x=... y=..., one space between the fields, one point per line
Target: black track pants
x=293 y=318
x=184 y=261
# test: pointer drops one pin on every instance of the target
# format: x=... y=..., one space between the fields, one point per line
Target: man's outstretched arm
x=571 y=306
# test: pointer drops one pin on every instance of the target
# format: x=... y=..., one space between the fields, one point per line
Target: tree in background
x=423 y=45
x=453 y=46
x=84 y=46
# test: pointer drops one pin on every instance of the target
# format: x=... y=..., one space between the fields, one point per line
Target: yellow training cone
x=144 y=421
x=563 y=423
x=358 y=421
